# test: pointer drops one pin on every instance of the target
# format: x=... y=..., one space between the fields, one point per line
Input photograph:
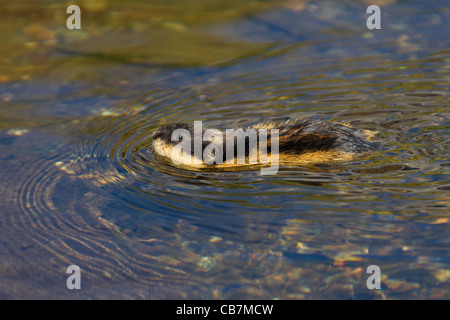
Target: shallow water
x=80 y=184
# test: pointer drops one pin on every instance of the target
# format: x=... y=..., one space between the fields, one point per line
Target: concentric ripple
x=122 y=164
x=61 y=223
x=92 y=193
x=107 y=203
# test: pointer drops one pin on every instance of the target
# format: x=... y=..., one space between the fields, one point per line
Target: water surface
x=80 y=183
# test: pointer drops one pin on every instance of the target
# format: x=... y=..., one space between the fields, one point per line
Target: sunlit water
x=81 y=185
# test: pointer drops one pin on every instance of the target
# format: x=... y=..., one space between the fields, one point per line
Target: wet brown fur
x=300 y=143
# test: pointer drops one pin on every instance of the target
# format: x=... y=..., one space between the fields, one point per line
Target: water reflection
x=82 y=185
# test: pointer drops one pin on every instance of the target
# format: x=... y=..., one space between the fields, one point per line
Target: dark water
x=80 y=184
